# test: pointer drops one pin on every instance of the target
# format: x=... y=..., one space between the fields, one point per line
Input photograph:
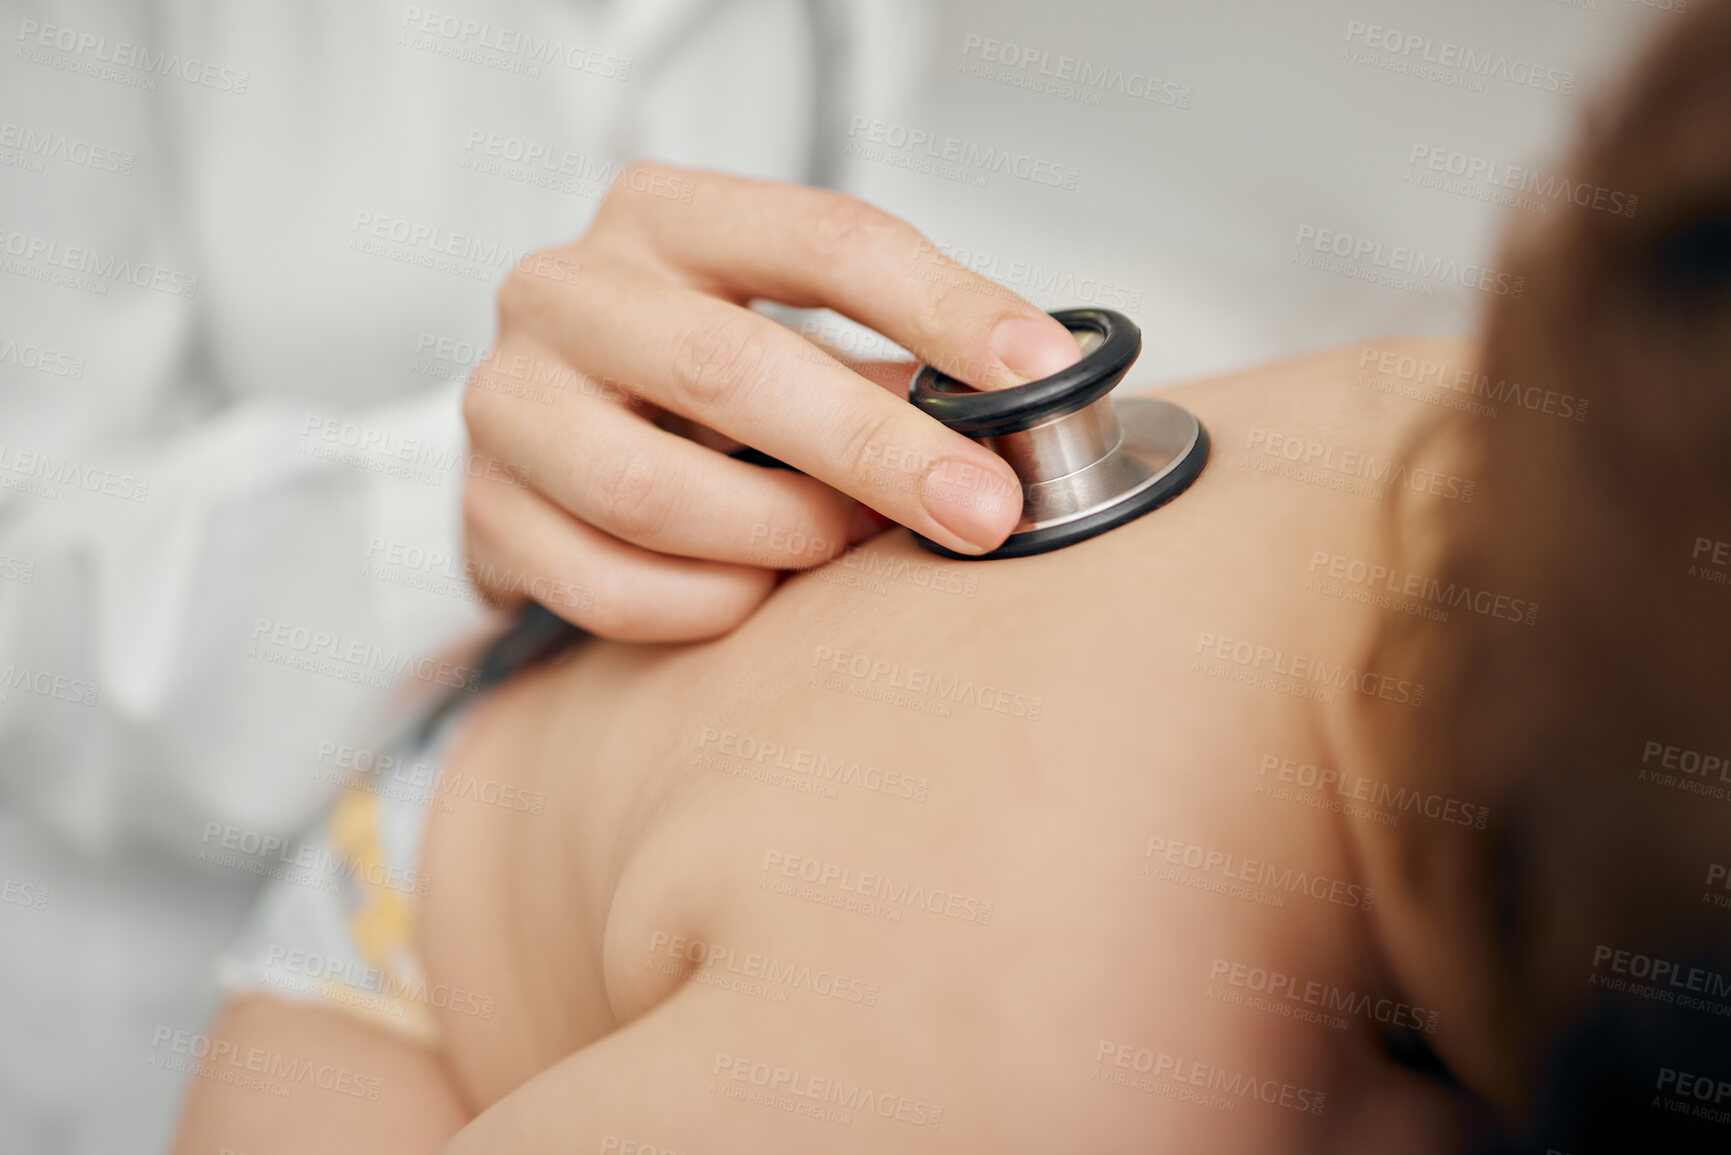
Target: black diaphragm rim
x=990 y=414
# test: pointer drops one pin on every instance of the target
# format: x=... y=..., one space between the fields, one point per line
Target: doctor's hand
x=627 y=362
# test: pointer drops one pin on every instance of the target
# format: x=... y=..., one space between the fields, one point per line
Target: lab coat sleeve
x=210 y=606
x=212 y=627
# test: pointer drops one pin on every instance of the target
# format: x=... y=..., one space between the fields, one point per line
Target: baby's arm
x=350 y=1088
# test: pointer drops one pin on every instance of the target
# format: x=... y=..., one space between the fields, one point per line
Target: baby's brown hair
x=1597 y=735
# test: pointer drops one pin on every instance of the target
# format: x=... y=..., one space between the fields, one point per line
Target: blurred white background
x=270 y=149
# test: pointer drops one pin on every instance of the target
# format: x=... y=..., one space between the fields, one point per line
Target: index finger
x=743 y=375
x=808 y=247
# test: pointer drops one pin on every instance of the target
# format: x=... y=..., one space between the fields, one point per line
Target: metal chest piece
x=1086 y=464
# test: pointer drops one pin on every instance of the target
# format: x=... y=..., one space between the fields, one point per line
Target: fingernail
x=1033 y=347
x=976 y=504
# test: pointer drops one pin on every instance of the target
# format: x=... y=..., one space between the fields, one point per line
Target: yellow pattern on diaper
x=383 y=925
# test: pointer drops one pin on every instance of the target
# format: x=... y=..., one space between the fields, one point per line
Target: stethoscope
x=1086 y=463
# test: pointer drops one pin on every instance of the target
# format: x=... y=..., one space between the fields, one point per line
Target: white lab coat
x=229 y=399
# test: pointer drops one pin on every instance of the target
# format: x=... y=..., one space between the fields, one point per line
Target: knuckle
x=519 y=292
x=478 y=405
x=860 y=445
x=474 y=409
x=638 y=493
x=612 y=612
x=709 y=608
x=623 y=194
x=531 y=280
x=477 y=528
x=606 y=620
x=617 y=608
x=843 y=223
x=937 y=318
x=716 y=364
x=728 y=605
x=474 y=517
x=636 y=172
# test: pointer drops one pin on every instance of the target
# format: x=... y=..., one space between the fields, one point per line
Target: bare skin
x=1105 y=1003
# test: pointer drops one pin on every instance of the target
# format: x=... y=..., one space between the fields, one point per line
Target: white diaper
x=338 y=928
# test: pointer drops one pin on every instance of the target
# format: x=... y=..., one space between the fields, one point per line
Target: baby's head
x=1598 y=735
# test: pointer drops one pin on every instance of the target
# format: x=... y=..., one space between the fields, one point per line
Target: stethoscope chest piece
x=1087 y=464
